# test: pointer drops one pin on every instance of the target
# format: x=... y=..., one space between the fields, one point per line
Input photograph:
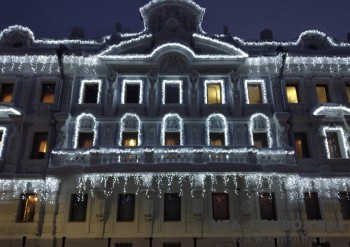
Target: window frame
x=36 y=155
x=3 y=130
x=296 y=86
x=304 y=145
x=328 y=99
x=226 y=216
x=131 y=82
x=7 y=82
x=262 y=84
x=347 y=203
x=273 y=203
x=124 y=128
x=83 y=85
x=267 y=130
x=177 y=217
x=347 y=89
x=119 y=212
x=341 y=141
x=47 y=82
x=165 y=83
x=222 y=85
x=85 y=207
x=78 y=129
x=223 y=130
x=22 y=208
x=164 y=129
x=318 y=211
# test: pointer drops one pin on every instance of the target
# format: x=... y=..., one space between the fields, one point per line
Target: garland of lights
x=77 y=128
x=331 y=110
x=267 y=130
x=9 y=110
x=132 y=82
x=208 y=127
x=82 y=89
x=181 y=131
x=3 y=130
x=123 y=128
x=172 y=82
x=343 y=143
x=255 y=82
x=221 y=82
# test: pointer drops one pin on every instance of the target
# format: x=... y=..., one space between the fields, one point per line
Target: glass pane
x=260 y=140
x=312 y=206
x=348 y=92
x=267 y=206
x=6 y=92
x=172 y=207
x=48 y=93
x=129 y=139
x=292 y=94
x=90 y=94
x=254 y=94
x=85 y=139
x=300 y=145
x=172 y=138
x=39 y=146
x=132 y=93
x=214 y=93
x=217 y=139
x=26 y=210
x=78 y=206
x=322 y=94
x=333 y=145
x=220 y=206
x=126 y=207
x=172 y=94
x=344 y=200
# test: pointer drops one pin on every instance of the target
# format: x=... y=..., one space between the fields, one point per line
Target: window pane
x=126 y=207
x=333 y=145
x=132 y=93
x=90 y=93
x=217 y=139
x=85 y=139
x=26 y=210
x=220 y=206
x=344 y=200
x=172 y=94
x=254 y=94
x=292 y=94
x=6 y=92
x=48 y=93
x=214 y=93
x=348 y=92
x=39 y=146
x=322 y=94
x=267 y=206
x=260 y=140
x=130 y=139
x=172 y=207
x=300 y=145
x=172 y=138
x=78 y=206
x=312 y=206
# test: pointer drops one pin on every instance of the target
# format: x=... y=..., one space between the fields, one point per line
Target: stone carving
x=259 y=123
x=216 y=123
x=152 y=78
x=172 y=123
x=130 y=123
x=87 y=123
x=313 y=41
x=173 y=65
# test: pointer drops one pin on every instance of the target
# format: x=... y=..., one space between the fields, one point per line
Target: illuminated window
x=132 y=93
x=172 y=130
x=39 y=146
x=214 y=93
x=130 y=139
x=26 y=209
x=348 y=92
x=267 y=206
x=217 y=139
x=292 y=94
x=300 y=145
x=172 y=138
x=254 y=94
x=6 y=92
x=48 y=93
x=260 y=140
x=85 y=140
x=78 y=207
x=90 y=93
x=126 y=207
x=220 y=206
x=172 y=92
x=322 y=93
x=344 y=200
x=333 y=145
x=172 y=207
x=312 y=206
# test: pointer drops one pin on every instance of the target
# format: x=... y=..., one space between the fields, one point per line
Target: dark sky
x=245 y=18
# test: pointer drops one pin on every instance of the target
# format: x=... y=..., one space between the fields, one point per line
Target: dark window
x=126 y=207
x=85 y=139
x=267 y=206
x=132 y=94
x=48 y=93
x=172 y=207
x=260 y=140
x=172 y=138
x=171 y=244
x=90 y=93
x=344 y=200
x=220 y=206
x=78 y=207
x=130 y=139
x=217 y=139
x=6 y=92
x=333 y=145
x=300 y=145
x=26 y=209
x=172 y=94
x=39 y=146
x=312 y=206
x=123 y=245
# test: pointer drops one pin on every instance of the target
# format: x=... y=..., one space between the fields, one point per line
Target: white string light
x=267 y=129
x=78 y=128
x=341 y=139
x=3 y=130
x=331 y=110
x=83 y=88
x=172 y=82
x=164 y=127
x=208 y=125
x=132 y=82
x=124 y=128
x=262 y=85
x=222 y=91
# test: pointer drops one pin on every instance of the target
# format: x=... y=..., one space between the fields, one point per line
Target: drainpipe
x=150 y=241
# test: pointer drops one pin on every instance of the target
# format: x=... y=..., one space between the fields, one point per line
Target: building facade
x=173 y=137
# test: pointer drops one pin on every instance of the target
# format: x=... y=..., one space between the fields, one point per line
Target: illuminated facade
x=172 y=137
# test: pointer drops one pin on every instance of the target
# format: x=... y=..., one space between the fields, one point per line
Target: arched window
x=172 y=130
x=260 y=131
x=217 y=133
x=85 y=131
x=130 y=130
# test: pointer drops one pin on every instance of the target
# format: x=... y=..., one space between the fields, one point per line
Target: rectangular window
x=132 y=94
x=322 y=93
x=126 y=207
x=85 y=139
x=254 y=94
x=172 y=93
x=26 y=209
x=260 y=140
x=333 y=145
x=90 y=93
x=217 y=139
x=220 y=206
x=78 y=207
x=39 y=145
x=214 y=93
x=6 y=92
x=292 y=94
x=300 y=145
x=348 y=92
x=344 y=200
x=172 y=138
x=172 y=207
x=312 y=206
x=267 y=206
x=48 y=93
x=130 y=139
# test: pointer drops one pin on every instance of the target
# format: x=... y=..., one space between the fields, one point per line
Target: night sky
x=245 y=18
